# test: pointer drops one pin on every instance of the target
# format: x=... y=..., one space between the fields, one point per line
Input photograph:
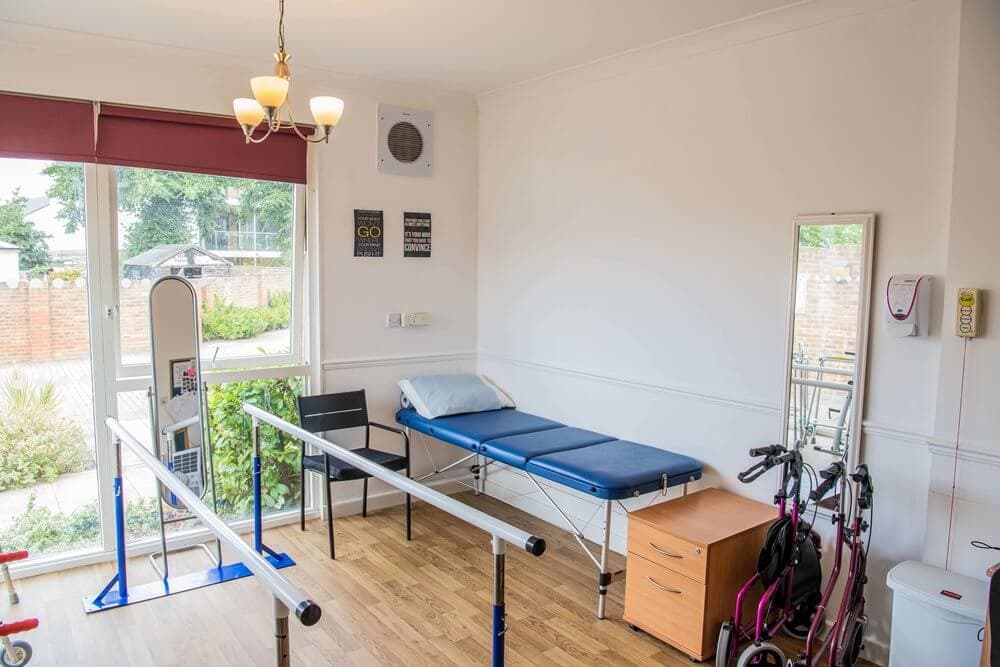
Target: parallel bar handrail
x=176 y=426
x=307 y=611
x=492 y=525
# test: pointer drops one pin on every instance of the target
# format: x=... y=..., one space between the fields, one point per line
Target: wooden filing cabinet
x=992 y=575
x=687 y=558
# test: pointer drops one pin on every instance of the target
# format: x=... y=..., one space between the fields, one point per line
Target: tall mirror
x=176 y=400
x=828 y=336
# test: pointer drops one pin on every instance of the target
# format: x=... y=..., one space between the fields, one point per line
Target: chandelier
x=271 y=96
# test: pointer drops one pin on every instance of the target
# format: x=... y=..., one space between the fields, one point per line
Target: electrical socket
x=393 y=320
x=418 y=319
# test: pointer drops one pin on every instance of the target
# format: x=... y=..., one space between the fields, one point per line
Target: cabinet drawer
x=666 y=550
x=665 y=604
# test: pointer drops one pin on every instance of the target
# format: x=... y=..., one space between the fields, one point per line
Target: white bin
x=928 y=628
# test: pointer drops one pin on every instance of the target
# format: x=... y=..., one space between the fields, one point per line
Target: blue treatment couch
x=595 y=464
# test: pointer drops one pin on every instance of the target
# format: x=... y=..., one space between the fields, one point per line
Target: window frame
x=295 y=356
x=111 y=377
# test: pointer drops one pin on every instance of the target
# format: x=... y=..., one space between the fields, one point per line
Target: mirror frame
x=154 y=397
x=856 y=426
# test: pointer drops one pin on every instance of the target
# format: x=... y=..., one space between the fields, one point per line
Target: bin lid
x=925 y=582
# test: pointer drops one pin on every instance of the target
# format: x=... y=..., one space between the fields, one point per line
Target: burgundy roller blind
x=150 y=138
x=46 y=128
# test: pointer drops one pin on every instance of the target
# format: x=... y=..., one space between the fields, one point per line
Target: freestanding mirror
x=828 y=336
x=176 y=400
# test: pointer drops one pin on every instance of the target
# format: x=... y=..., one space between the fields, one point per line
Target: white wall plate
x=405 y=141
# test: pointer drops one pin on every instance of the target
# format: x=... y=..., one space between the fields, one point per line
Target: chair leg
x=364 y=499
x=302 y=500
x=409 y=524
x=329 y=519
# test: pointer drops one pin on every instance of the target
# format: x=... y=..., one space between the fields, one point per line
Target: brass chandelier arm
x=295 y=127
x=259 y=140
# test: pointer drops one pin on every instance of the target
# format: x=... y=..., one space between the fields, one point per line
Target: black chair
x=333 y=412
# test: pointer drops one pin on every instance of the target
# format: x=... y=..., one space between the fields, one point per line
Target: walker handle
x=12 y=556
x=830 y=477
x=753 y=472
x=769 y=450
x=18 y=626
x=865 y=488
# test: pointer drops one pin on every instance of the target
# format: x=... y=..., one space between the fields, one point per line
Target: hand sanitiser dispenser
x=907 y=301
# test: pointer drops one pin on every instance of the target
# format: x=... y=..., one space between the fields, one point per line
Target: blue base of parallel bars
x=498 y=632
x=187 y=582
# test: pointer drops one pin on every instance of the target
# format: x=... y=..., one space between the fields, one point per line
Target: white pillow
x=504 y=397
x=435 y=396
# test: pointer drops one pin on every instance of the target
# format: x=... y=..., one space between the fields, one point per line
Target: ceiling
x=465 y=45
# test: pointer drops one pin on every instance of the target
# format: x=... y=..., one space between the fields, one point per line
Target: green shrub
x=232 y=444
x=36 y=443
x=67 y=273
x=227 y=321
x=43 y=530
x=279 y=309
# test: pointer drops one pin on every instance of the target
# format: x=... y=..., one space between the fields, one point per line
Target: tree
x=23 y=233
x=272 y=206
x=67 y=189
x=177 y=207
x=825 y=236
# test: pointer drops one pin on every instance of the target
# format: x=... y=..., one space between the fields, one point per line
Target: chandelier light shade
x=271 y=97
x=248 y=112
x=269 y=91
x=326 y=110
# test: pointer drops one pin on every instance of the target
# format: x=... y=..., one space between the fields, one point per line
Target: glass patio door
x=50 y=460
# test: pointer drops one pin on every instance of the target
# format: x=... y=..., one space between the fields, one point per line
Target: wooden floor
x=385 y=602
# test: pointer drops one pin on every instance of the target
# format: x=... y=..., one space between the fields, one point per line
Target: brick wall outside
x=15 y=342
x=49 y=320
x=826 y=318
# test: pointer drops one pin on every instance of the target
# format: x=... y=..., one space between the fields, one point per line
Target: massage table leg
x=475 y=475
x=605 y=576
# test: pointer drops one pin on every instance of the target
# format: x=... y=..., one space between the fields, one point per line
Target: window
x=81 y=242
x=235 y=238
x=48 y=450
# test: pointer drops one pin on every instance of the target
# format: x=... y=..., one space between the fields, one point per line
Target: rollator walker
x=14 y=652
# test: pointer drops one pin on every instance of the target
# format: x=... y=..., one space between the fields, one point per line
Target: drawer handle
x=666 y=589
x=664 y=552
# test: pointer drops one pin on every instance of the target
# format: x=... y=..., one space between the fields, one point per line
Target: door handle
x=666 y=589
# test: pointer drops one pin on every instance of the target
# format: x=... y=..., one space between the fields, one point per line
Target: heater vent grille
x=405 y=142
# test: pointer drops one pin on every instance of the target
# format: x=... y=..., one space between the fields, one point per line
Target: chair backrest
x=331 y=412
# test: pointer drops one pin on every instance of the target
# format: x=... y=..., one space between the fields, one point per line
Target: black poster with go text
x=368 y=236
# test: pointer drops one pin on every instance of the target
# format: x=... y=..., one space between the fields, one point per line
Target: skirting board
x=383 y=499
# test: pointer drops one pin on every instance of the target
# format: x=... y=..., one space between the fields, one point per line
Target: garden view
x=48 y=482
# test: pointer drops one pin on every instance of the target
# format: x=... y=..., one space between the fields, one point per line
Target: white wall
x=355 y=293
x=9 y=268
x=635 y=236
x=973 y=247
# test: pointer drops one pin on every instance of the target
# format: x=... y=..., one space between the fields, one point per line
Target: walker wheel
x=765 y=655
x=723 y=648
x=18 y=657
